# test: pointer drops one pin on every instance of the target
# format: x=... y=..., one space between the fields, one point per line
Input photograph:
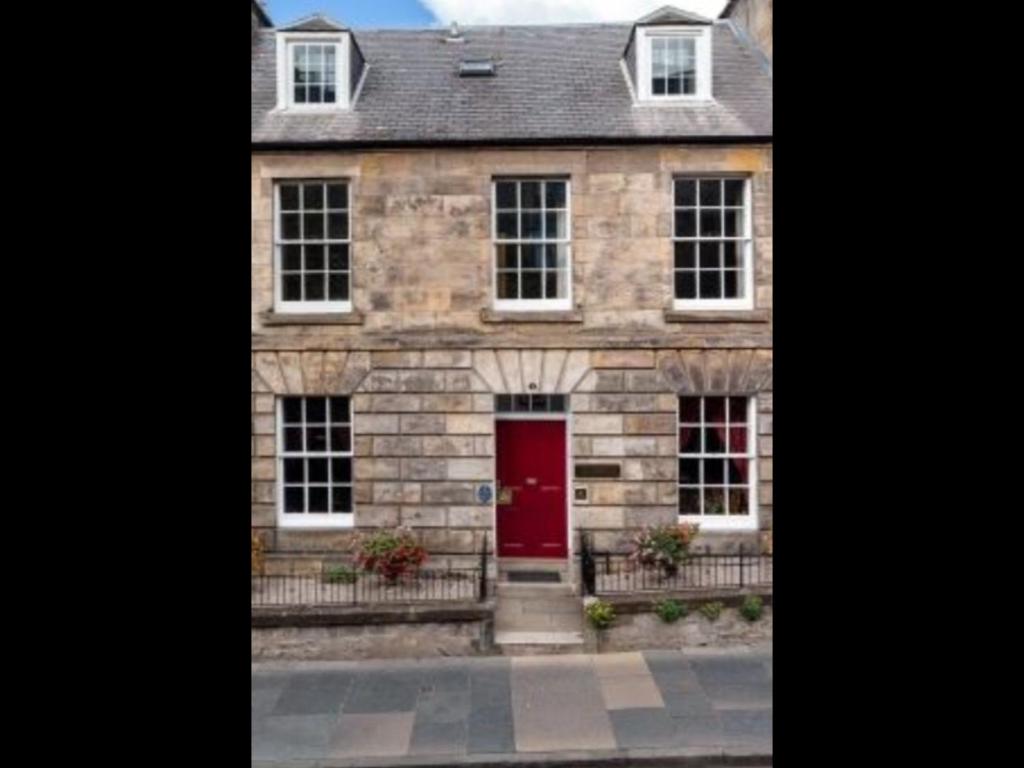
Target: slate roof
x=315 y=23
x=260 y=9
x=556 y=83
x=667 y=14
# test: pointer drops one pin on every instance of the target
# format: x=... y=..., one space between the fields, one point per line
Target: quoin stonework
x=460 y=233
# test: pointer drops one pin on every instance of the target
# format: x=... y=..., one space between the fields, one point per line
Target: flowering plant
x=663 y=546
x=392 y=554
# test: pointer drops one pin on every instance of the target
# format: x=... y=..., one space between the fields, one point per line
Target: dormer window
x=669 y=56
x=313 y=61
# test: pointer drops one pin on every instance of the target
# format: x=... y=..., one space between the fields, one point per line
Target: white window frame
x=532 y=305
x=747 y=522
x=702 y=35
x=286 y=42
x=746 y=239
x=313 y=519
x=310 y=307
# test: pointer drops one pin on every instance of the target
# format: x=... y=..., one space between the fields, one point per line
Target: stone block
x=376 y=424
x=638 y=517
x=398 y=446
x=395 y=403
x=462 y=381
x=421 y=381
x=263 y=469
x=597 y=424
x=469 y=424
x=419 y=516
x=263 y=404
x=265 y=445
x=622 y=358
x=447 y=358
x=624 y=403
x=649 y=469
x=650 y=424
x=397 y=493
x=263 y=492
x=362 y=493
x=470 y=469
x=587 y=516
x=483 y=446
x=449 y=445
x=424 y=469
x=449 y=403
x=377 y=469
x=764 y=493
x=764 y=469
x=764 y=446
x=422 y=424
x=263 y=424
x=263 y=515
x=449 y=493
x=470 y=517
x=374 y=516
x=645 y=381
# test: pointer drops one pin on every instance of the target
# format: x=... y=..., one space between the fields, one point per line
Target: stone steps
x=534 y=618
x=538 y=643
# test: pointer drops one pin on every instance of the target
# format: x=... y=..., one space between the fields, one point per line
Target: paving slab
x=381 y=734
x=644 y=728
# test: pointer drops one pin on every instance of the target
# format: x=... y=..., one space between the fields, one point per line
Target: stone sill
x=717 y=316
x=327 y=616
x=558 y=316
x=332 y=318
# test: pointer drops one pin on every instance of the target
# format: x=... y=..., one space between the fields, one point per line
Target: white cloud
x=557 y=11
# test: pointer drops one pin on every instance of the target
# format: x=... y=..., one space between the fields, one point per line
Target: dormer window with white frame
x=670 y=56
x=313 y=67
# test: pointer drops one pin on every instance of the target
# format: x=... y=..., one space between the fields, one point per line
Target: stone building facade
x=423 y=353
x=755 y=16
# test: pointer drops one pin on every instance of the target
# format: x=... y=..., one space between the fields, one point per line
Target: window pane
x=710 y=192
x=312 y=196
x=337 y=286
x=685 y=255
x=734 y=223
x=531 y=256
x=290 y=226
x=557 y=403
x=555 y=192
x=532 y=224
x=337 y=196
x=293 y=438
x=714 y=471
x=291 y=288
x=314 y=284
x=689 y=501
x=710 y=285
x=538 y=403
x=554 y=225
x=337 y=226
x=551 y=286
x=505 y=193
x=294 y=470
x=714 y=501
x=341 y=470
x=291 y=257
x=738 y=469
x=300 y=93
x=316 y=410
x=289 y=197
x=530 y=192
x=317 y=469
x=686 y=224
x=317 y=498
x=714 y=410
x=508 y=256
x=738 y=410
x=731 y=284
x=339 y=410
x=316 y=438
x=503 y=403
x=689 y=410
x=315 y=95
x=710 y=255
x=328 y=94
x=689 y=440
x=508 y=225
x=739 y=501
x=714 y=440
x=521 y=403
x=508 y=285
x=689 y=471
x=294 y=499
x=734 y=191
x=686 y=192
x=737 y=439
x=314 y=258
x=732 y=254
x=341 y=439
x=337 y=256
x=531 y=288
x=710 y=223
x=313 y=226
x=686 y=285
x=291 y=407
x=341 y=498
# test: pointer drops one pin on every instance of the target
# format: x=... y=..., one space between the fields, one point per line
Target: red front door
x=531 y=478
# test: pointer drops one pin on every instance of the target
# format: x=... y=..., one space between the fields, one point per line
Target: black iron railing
x=610 y=573
x=343 y=584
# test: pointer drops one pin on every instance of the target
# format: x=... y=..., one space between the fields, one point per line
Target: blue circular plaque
x=483 y=494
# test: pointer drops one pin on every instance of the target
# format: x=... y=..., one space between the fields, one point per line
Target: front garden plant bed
x=638 y=626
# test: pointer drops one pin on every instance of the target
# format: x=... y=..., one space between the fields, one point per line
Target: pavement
x=624 y=709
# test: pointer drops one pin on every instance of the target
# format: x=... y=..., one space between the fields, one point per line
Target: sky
x=425 y=13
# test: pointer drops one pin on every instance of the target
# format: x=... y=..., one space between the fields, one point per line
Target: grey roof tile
x=553 y=83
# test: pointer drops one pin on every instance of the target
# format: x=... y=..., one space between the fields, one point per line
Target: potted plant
x=664 y=547
x=391 y=553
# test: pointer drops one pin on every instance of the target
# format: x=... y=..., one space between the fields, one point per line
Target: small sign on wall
x=484 y=494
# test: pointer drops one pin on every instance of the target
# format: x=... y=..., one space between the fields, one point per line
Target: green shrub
x=712 y=610
x=340 y=574
x=752 y=608
x=391 y=553
x=669 y=610
x=600 y=614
